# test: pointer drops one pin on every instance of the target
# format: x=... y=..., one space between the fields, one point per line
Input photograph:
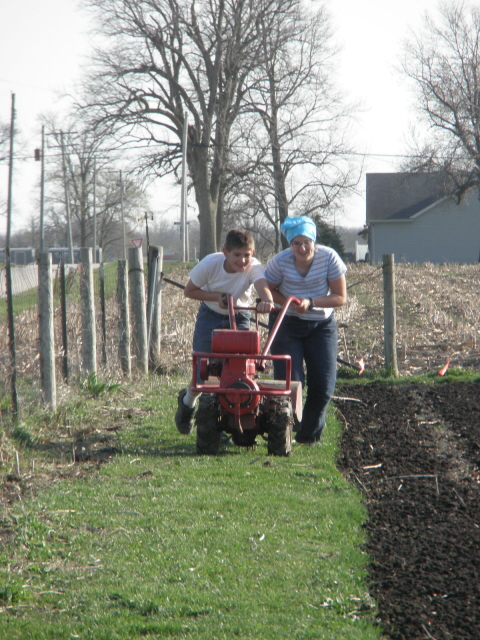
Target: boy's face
x=238 y=259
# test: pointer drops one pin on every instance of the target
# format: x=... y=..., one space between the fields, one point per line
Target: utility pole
x=183 y=201
x=42 y=194
x=11 y=324
x=145 y=217
x=94 y=210
x=67 y=200
x=10 y=175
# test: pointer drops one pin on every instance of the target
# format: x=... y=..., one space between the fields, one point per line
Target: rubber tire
x=245 y=439
x=280 y=422
x=207 y=420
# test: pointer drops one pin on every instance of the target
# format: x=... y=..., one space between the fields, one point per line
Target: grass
x=160 y=542
x=346 y=375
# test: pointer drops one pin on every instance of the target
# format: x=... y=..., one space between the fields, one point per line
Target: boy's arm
x=196 y=293
x=263 y=290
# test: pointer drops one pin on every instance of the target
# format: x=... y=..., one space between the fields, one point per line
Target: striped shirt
x=326 y=266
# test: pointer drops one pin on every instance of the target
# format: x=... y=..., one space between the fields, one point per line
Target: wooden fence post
x=136 y=277
x=47 y=339
x=89 y=338
x=154 y=307
x=123 y=318
x=389 y=315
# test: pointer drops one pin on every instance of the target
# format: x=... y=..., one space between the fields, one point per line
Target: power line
x=24 y=84
x=346 y=154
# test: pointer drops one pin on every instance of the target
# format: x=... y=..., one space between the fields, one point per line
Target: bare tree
x=90 y=171
x=4 y=139
x=443 y=60
x=168 y=59
x=4 y=154
x=296 y=145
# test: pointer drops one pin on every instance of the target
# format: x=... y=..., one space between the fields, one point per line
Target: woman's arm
x=336 y=297
x=279 y=298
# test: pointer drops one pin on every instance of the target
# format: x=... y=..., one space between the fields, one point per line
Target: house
x=413 y=217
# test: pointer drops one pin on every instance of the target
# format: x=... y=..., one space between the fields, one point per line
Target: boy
x=233 y=271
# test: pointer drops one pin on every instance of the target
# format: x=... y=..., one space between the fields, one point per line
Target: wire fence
x=26 y=322
x=438 y=310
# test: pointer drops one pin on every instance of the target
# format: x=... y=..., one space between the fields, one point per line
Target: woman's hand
x=303 y=306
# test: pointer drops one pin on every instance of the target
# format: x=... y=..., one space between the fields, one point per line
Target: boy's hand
x=264 y=306
x=222 y=301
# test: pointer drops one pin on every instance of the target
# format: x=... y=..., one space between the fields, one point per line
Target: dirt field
x=414 y=452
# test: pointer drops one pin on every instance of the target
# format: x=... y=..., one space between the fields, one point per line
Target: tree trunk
x=206 y=201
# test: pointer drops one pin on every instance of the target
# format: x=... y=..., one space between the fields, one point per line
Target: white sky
x=44 y=44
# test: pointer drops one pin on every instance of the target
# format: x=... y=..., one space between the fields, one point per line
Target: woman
x=316 y=276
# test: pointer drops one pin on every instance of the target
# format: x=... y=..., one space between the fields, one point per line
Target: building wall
x=443 y=233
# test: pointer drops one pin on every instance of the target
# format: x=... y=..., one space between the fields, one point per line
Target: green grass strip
x=162 y=543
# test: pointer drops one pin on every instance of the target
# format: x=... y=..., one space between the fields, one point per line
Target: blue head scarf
x=299 y=226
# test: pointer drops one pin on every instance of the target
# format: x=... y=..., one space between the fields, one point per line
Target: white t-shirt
x=210 y=275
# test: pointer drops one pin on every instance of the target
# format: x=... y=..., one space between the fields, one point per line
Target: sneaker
x=184 y=415
x=309 y=443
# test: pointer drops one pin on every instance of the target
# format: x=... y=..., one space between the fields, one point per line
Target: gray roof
x=399 y=196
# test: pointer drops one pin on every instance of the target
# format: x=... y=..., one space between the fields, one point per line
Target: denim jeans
x=315 y=344
x=207 y=320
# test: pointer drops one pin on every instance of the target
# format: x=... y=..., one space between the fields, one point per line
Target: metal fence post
x=123 y=318
x=63 y=306
x=104 y=313
x=47 y=339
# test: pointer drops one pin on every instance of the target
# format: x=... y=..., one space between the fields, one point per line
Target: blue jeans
x=207 y=320
x=315 y=344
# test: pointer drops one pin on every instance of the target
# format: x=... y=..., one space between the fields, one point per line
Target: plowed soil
x=414 y=452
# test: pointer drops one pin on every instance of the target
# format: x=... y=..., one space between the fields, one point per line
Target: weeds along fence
x=104 y=321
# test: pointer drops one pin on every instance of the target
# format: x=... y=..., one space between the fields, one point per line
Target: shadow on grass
x=100 y=447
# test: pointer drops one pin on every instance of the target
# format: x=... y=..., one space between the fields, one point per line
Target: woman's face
x=303 y=248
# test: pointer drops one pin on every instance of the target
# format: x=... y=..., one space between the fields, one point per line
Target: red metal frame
x=258 y=358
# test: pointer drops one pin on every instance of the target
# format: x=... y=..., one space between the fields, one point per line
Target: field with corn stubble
x=438 y=311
